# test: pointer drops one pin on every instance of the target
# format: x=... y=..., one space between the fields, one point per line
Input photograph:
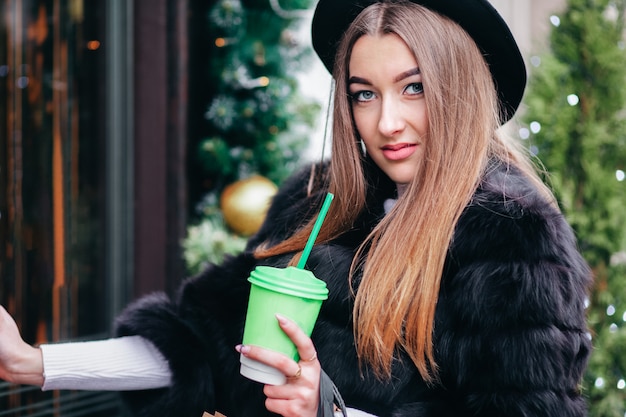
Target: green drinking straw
x=316 y=229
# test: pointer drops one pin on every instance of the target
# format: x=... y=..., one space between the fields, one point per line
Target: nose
x=391 y=120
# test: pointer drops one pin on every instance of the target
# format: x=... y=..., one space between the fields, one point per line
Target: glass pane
x=52 y=186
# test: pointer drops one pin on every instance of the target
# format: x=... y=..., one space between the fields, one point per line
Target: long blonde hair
x=404 y=255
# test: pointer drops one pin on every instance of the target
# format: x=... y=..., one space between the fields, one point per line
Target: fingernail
x=281 y=319
x=244 y=350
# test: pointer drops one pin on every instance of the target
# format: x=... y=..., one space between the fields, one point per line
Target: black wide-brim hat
x=477 y=17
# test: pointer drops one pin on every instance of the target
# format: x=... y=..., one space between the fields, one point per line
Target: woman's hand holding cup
x=299 y=396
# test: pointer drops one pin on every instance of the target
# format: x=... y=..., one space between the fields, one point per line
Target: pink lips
x=399 y=151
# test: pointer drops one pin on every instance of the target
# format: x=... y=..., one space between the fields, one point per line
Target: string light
x=93 y=45
x=535 y=127
x=524 y=133
x=535 y=61
x=555 y=20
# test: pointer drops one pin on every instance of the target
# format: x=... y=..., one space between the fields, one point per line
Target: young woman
x=456 y=288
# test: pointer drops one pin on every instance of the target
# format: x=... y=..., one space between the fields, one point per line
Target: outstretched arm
x=20 y=363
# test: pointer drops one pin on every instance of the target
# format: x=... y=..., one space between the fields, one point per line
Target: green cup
x=291 y=292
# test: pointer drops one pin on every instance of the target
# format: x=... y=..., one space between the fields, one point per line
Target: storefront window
x=55 y=97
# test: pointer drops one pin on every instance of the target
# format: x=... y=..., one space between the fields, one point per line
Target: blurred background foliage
x=575 y=123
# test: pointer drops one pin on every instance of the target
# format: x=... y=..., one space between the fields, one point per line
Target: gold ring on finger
x=297 y=374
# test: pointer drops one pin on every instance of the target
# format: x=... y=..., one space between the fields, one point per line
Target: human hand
x=20 y=363
x=299 y=397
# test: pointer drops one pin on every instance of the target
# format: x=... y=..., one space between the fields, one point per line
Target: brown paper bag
x=217 y=414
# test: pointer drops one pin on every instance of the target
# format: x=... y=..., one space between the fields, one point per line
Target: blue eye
x=414 y=88
x=363 y=96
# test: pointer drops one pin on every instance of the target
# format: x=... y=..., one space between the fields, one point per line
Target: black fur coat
x=510 y=333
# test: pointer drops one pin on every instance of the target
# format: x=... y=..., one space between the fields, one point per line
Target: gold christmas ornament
x=244 y=203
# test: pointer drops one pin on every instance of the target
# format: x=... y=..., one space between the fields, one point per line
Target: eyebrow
x=407 y=74
x=399 y=77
